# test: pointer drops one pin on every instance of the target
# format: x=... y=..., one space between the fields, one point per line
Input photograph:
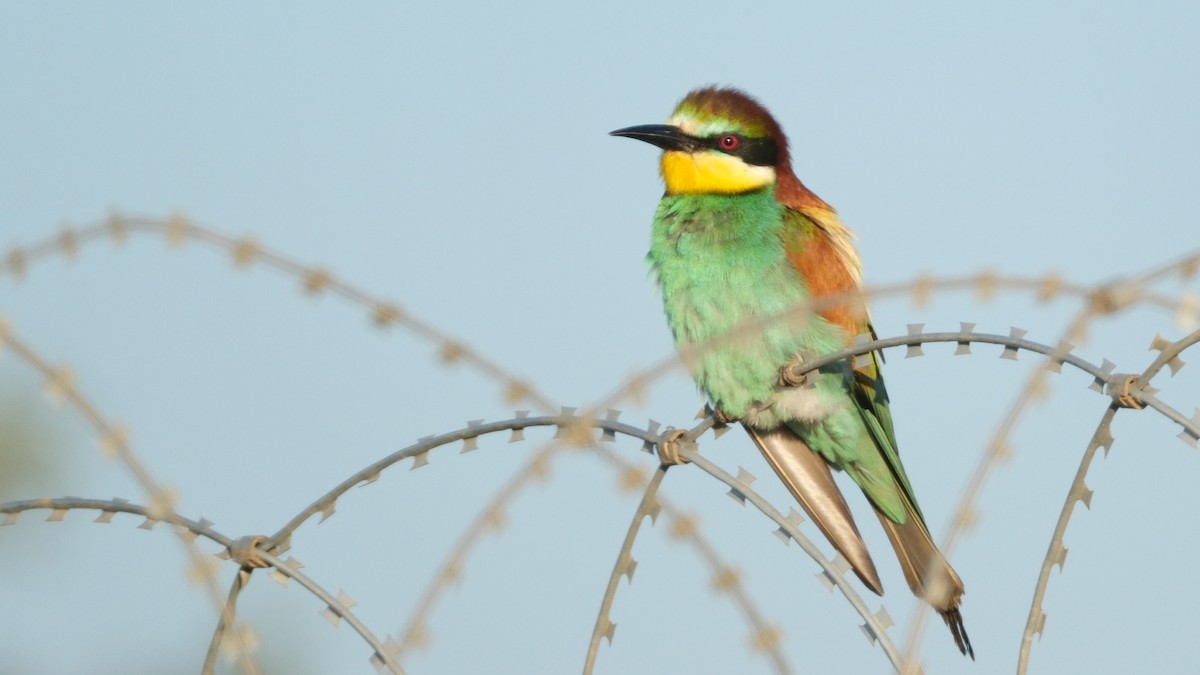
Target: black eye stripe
x=756 y=151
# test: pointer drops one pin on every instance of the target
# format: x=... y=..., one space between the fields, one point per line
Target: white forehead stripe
x=693 y=127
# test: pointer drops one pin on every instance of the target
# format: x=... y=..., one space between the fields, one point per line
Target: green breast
x=722 y=267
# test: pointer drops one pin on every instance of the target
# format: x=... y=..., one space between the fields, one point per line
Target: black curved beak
x=664 y=136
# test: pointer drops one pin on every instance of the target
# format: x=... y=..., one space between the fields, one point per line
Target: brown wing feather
x=822 y=253
x=818 y=261
x=821 y=250
x=928 y=574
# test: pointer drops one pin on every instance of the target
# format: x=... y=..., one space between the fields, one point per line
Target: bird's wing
x=928 y=573
x=870 y=396
x=819 y=248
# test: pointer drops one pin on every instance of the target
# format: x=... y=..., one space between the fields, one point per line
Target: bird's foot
x=670 y=443
x=788 y=377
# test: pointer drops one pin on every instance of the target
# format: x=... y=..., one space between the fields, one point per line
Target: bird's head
x=718 y=141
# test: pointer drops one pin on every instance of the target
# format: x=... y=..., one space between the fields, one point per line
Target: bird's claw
x=787 y=376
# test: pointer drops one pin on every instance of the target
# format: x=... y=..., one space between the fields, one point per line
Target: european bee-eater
x=737 y=239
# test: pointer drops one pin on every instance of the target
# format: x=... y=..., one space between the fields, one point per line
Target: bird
x=737 y=240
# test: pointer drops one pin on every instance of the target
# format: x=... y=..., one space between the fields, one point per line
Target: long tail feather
x=929 y=575
x=808 y=477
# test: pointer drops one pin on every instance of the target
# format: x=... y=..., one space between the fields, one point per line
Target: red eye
x=729 y=142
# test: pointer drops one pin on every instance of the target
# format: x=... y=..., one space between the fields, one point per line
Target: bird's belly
x=736 y=351
x=736 y=306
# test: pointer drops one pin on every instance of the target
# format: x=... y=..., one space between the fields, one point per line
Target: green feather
x=871 y=396
x=722 y=264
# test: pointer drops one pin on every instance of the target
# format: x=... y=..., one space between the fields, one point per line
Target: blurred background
x=454 y=159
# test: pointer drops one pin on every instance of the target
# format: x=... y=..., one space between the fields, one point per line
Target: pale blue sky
x=455 y=158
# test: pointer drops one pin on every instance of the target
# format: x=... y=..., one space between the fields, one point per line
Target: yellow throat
x=711 y=172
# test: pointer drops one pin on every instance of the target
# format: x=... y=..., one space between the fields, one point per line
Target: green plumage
x=723 y=267
x=739 y=247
